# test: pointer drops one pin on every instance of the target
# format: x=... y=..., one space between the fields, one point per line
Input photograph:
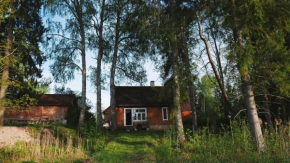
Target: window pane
x=139 y=116
x=164 y=113
x=134 y=118
x=143 y=116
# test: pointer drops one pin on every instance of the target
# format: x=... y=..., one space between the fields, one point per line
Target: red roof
x=56 y=99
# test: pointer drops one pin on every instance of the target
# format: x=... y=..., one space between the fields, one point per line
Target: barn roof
x=142 y=96
x=56 y=99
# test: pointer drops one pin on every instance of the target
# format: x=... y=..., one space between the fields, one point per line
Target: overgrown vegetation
x=231 y=144
x=53 y=144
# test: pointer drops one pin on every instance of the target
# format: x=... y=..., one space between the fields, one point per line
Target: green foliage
x=74 y=110
x=234 y=145
x=25 y=58
x=209 y=99
x=63 y=43
x=162 y=148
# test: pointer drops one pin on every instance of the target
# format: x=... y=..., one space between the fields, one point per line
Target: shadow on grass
x=134 y=143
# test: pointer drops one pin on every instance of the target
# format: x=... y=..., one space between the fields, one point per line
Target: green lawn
x=130 y=147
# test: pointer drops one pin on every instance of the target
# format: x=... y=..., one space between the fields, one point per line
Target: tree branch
x=56 y=34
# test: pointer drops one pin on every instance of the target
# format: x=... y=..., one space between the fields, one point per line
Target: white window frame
x=141 y=118
x=166 y=113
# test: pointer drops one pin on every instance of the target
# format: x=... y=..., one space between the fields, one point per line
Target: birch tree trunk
x=191 y=91
x=113 y=70
x=176 y=94
x=174 y=60
x=5 y=73
x=99 y=66
x=228 y=108
x=247 y=89
x=84 y=69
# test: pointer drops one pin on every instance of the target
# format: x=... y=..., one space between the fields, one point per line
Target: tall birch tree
x=68 y=46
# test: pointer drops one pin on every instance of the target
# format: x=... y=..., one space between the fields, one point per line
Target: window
x=140 y=114
x=164 y=113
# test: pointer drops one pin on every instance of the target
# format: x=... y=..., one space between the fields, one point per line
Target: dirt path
x=10 y=135
x=129 y=147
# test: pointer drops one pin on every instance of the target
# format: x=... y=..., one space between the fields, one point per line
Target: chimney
x=152 y=84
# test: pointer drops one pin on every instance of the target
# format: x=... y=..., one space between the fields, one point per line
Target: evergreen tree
x=22 y=30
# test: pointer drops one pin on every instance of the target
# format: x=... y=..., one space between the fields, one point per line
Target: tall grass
x=46 y=147
x=233 y=144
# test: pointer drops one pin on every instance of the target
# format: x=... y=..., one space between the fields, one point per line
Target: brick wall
x=55 y=113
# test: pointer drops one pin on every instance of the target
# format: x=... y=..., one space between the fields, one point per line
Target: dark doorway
x=128 y=117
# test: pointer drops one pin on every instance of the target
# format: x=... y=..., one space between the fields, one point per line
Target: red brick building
x=144 y=107
x=50 y=109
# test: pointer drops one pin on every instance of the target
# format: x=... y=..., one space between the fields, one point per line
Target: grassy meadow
x=232 y=144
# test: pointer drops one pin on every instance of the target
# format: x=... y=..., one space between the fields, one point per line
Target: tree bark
x=100 y=56
x=174 y=60
x=5 y=73
x=228 y=107
x=267 y=110
x=247 y=88
x=218 y=58
x=191 y=90
x=252 y=112
x=84 y=68
x=176 y=94
x=113 y=70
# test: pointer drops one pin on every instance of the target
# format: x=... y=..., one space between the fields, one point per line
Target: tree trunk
x=174 y=61
x=84 y=68
x=267 y=110
x=99 y=66
x=191 y=91
x=5 y=73
x=112 y=78
x=176 y=94
x=218 y=58
x=252 y=112
x=247 y=87
x=228 y=108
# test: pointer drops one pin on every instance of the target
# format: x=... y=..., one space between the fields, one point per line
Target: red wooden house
x=143 y=107
x=50 y=108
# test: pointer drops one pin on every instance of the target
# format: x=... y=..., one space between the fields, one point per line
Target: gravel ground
x=10 y=135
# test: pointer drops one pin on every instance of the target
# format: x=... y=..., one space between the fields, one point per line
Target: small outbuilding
x=50 y=109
